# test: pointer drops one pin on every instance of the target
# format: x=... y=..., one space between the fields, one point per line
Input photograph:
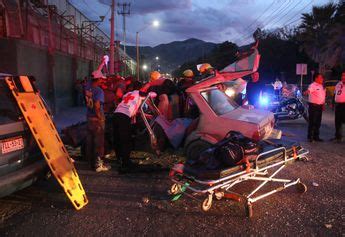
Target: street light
x=155 y=24
x=144 y=67
x=157 y=58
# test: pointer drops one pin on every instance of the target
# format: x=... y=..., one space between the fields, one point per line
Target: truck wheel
x=195 y=148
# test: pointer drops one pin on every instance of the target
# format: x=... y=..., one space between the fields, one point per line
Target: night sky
x=213 y=21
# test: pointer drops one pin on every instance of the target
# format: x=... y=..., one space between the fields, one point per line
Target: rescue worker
x=114 y=89
x=316 y=99
x=94 y=97
x=339 y=99
x=124 y=117
x=186 y=81
x=163 y=88
x=205 y=70
x=277 y=86
x=254 y=89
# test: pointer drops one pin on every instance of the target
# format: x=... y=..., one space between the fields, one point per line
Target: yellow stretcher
x=48 y=139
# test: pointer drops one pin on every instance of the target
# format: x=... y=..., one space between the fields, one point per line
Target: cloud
x=216 y=20
x=203 y=23
x=141 y=7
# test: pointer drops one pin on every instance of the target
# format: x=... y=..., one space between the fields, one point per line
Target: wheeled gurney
x=274 y=157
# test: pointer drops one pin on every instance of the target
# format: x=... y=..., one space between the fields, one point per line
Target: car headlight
x=230 y=92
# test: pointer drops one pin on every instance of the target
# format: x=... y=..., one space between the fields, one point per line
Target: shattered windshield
x=218 y=101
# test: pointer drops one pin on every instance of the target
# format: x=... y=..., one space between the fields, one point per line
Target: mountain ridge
x=172 y=55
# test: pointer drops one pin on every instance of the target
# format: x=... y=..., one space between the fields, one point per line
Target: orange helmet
x=205 y=67
x=154 y=76
x=188 y=73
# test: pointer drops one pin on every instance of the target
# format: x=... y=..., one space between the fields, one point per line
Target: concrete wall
x=33 y=61
x=63 y=80
x=55 y=83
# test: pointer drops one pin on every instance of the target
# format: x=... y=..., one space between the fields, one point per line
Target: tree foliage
x=322 y=33
x=318 y=41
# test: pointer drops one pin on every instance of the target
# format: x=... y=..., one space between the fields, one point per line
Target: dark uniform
x=339 y=98
x=114 y=89
x=253 y=91
x=95 y=127
x=316 y=99
x=124 y=115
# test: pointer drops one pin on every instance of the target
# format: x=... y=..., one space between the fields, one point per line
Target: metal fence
x=58 y=26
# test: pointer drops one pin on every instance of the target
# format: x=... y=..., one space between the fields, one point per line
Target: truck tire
x=195 y=148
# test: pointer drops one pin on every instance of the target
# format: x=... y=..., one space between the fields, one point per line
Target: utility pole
x=112 y=38
x=124 y=10
x=137 y=47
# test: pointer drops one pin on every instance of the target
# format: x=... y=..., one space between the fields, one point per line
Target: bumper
x=275 y=134
x=21 y=178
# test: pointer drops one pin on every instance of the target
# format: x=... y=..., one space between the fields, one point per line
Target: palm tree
x=336 y=42
x=315 y=32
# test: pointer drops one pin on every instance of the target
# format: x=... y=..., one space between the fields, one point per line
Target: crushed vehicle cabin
x=212 y=113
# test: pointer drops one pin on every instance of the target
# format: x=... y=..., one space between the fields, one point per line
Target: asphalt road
x=138 y=204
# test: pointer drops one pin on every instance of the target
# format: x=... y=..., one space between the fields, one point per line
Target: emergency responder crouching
x=124 y=117
x=316 y=98
x=339 y=99
x=94 y=97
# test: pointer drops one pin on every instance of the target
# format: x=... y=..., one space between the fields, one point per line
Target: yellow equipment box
x=48 y=139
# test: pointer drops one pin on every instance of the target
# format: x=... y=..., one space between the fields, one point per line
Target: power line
x=279 y=19
x=289 y=22
x=276 y=14
x=256 y=20
x=261 y=14
x=298 y=19
x=93 y=10
x=286 y=22
x=270 y=17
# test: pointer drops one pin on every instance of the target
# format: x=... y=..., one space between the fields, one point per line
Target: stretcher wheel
x=301 y=187
x=219 y=195
x=207 y=203
x=249 y=210
x=175 y=189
